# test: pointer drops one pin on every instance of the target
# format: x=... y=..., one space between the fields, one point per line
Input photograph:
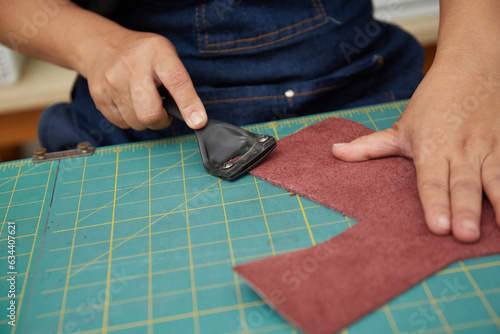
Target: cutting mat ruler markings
x=140 y=239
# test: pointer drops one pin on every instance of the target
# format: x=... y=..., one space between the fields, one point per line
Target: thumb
x=376 y=145
x=174 y=76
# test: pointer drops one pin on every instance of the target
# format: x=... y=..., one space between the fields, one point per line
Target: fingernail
x=444 y=222
x=196 y=118
x=470 y=226
x=339 y=144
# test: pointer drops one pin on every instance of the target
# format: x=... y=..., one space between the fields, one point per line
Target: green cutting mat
x=139 y=239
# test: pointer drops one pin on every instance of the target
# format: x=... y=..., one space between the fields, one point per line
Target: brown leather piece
x=324 y=288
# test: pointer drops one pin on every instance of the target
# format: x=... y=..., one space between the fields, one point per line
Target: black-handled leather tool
x=227 y=151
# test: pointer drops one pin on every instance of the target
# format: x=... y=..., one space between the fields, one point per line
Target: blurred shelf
x=418 y=17
x=40 y=85
x=424 y=28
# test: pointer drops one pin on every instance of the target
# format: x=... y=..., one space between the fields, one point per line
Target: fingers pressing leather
x=433 y=187
x=490 y=175
x=466 y=196
x=376 y=145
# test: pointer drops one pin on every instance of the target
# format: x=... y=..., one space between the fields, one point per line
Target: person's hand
x=451 y=129
x=124 y=75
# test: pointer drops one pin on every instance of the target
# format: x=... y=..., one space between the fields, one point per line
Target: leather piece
x=324 y=288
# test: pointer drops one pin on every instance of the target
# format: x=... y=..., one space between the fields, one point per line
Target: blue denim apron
x=257 y=60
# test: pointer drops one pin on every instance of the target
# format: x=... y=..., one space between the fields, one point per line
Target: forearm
x=469 y=35
x=57 y=31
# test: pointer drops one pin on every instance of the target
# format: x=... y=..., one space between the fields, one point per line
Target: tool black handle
x=169 y=103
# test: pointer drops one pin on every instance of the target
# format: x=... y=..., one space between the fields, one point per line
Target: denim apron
x=254 y=61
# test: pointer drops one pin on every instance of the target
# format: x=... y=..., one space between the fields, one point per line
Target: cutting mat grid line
x=156 y=239
x=21 y=183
